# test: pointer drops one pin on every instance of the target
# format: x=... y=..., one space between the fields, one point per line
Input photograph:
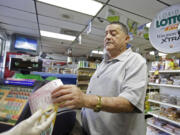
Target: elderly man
x=114 y=102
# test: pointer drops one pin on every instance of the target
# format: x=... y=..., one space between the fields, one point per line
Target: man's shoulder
x=137 y=56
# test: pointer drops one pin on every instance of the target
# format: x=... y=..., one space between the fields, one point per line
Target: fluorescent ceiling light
x=151 y=53
x=162 y=54
x=148 y=24
x=57 y=35
x=159 y=53
x=89 y=7
x=97 y=52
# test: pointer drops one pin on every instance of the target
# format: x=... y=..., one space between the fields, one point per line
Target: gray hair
x=123 y=26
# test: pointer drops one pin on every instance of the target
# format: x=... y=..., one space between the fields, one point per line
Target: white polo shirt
x=125 y=76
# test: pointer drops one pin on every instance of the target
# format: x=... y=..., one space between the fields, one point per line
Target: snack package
x=41 y=99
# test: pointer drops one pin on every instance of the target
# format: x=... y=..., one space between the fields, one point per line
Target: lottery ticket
x=41 y=99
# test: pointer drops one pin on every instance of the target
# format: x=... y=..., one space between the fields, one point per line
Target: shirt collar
x=122 y=56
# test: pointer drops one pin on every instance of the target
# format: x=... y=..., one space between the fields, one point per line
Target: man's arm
x=72 y=97
x=131 y=97
x=109 y=104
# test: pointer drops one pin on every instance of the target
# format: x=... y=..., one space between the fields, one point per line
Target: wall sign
x=163 y=32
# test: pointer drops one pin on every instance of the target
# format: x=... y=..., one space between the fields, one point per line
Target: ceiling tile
x=18 y=22
x=62 y=14
x=172 y=2
x=123 y=15
x=25 y=5
x=8 y=12
x=146 y=8
x=14 y=29
x=56 y=25
x=92 y=40
x=97 y=32
x=99 y=23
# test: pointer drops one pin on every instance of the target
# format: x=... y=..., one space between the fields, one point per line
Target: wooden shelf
x=162 y=103
x=157 y=115
x=160 y=128
x=165 y=85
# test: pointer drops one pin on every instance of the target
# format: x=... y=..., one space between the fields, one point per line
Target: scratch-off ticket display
x=12 y=102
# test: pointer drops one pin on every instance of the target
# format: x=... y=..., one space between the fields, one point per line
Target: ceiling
x=28 y=16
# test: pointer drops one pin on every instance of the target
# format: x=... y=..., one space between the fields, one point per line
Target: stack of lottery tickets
x=41 y=99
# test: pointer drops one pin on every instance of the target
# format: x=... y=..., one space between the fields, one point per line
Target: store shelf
x=83 y=82
x=162 y=129
x=157 y=115
x=165 y=85
x=167 y=71
x=162 y=103
x=84 y=77
x=81 y=68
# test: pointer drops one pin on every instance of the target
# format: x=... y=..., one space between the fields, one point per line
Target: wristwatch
x=98 y=105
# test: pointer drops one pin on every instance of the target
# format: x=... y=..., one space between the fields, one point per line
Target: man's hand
x=33 y=125
x=69 y=96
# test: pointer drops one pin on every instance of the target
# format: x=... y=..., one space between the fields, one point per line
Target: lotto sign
x=163 y=33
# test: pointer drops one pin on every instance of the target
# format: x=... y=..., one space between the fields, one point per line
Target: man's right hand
x=69 y=96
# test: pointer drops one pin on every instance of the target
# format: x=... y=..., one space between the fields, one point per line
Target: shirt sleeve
x=134 y=84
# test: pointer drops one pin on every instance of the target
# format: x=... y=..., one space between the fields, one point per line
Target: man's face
x=115 y=39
